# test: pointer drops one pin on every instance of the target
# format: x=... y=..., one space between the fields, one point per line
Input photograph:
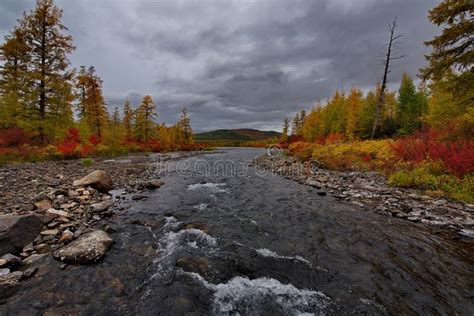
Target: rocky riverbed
x=370 y=192
x=57 y=207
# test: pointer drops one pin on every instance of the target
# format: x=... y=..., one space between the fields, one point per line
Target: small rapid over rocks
x=230 y=239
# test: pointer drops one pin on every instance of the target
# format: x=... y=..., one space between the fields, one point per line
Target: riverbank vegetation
x=424 y=138
x=50 y=110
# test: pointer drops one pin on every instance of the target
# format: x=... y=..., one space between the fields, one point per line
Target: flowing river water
x=223 y=238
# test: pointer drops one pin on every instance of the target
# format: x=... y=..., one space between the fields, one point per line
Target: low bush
x=87 y=162
x=457 y=156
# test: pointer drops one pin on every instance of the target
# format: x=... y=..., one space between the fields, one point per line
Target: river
x=223 y=238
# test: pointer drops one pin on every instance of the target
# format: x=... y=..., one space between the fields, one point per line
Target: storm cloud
x=237 y=63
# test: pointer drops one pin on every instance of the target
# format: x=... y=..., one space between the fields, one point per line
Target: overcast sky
x=236 y=63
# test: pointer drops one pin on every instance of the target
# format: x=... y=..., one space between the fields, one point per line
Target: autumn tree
x=452 y=58
x=352 y=113
x=48 y=75
x=185 y=128
x=410 y=106
x=334 y=113
x=128 y=118
x=313 y=126
x=144 y=123
x=81 y=84
x=13 y=79
x=295 y=126
x=96 y=114
x=284 y=133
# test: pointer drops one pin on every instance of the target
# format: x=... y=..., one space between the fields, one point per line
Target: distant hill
x=242 y=134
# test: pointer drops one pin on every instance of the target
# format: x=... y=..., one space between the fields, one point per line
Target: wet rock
x=98 y=179
x=117 y=287
x=3 y=262
x=137 y=197
x=66 y=237
x=17 y=232
x=12 y=260
x=12 y=277
x=469 y=233
x=30 y=272
x=201 y=226
x=151 y=184
x=191 y=264
x=101 y=206
x=33 y=259
x=88 y=248
x=42 y=248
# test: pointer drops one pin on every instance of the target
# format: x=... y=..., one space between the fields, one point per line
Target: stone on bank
x=88 y=248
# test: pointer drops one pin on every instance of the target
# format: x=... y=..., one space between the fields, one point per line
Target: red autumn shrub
x=86 y=150
x=94 y=140
x=301 y=150
x=295 y=138
x=457 y=156
x=67 y=147
x=12 y=137
x=334 y=138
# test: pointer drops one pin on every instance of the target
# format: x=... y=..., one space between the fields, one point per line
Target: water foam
x=243 y=295
x=213 y=187
x=201 y=207
x=268 y=253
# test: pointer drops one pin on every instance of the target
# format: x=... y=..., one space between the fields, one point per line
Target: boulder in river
x=88 y=248
x=98 y=179
x=151 y=184
x=17 y=232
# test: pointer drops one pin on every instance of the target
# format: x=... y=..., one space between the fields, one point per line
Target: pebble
x=50 y=232
x=4 y=271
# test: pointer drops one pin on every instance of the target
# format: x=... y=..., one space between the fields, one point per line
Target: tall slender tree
x=13 y=78
x=409 y=106
x=185 y=126
x=353 y=108
x=96 y=113
x=144 y=121
x=295 y=125
x=128 y=118
x=48 y=69
x=284 y=133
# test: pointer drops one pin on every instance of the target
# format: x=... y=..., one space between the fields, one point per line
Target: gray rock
x=17 y=232
x=4 y=271
x=88 y=248
x=98 y=179
x=11 y=259
x=101 y=207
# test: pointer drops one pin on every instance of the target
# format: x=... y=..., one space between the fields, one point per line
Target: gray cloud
x=236 y=63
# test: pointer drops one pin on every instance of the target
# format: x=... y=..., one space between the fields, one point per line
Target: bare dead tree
x=388 y=58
